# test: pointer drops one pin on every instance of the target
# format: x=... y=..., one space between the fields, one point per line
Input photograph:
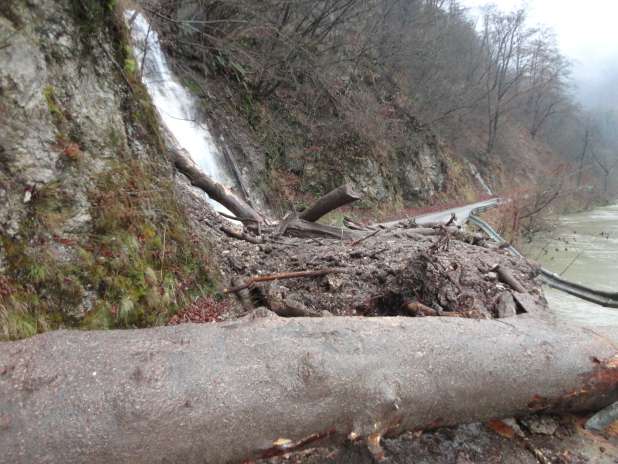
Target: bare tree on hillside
x=586 y=143
x=607 y=163
x=546 y=79
x=504 y=40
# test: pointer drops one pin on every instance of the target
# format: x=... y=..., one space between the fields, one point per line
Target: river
x=584 y=249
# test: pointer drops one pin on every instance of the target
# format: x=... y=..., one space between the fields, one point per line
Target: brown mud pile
x=394 y=272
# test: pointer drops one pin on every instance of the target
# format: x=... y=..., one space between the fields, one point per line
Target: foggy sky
x=587 y=33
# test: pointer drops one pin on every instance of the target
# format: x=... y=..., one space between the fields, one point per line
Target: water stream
x=177 y=107
x=585 y=250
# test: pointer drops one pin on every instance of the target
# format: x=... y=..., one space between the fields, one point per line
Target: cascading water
x=477 y=175
x=177 y=108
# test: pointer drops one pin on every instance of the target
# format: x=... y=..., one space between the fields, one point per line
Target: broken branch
x=506 y=277
x=241 y=235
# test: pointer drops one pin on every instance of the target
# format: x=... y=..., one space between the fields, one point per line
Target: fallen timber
x=260 y=387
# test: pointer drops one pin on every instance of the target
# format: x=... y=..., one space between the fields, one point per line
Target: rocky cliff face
x=291 y=158
x=62 y=121
x=90 y=230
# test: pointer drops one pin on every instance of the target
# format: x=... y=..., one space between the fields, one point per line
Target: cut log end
x=334 y=199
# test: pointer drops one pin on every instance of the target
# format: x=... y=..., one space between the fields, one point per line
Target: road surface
x=461 y=213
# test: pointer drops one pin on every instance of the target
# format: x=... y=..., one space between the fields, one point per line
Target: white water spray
x=176 y=106
x=477 y=175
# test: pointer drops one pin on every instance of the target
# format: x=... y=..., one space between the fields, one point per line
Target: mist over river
x=584 y=249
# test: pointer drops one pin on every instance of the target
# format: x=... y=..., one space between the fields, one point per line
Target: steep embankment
x=304 y=112
x=91 y=231
x=304 y=138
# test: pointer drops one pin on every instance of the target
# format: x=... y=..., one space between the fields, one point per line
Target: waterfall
x=477 y=175
x=177 y=107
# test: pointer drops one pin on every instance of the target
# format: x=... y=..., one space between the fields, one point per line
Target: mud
x=565 y=441
x=452 y=273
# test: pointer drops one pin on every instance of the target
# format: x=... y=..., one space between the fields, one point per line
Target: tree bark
x=230 y=232
x=251 y=388
x=215 y=190
x=306 y=229
x=334 y=199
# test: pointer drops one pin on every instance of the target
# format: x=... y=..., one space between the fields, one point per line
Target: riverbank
x=583 y=247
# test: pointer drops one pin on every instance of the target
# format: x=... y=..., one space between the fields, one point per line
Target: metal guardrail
x=603 y=298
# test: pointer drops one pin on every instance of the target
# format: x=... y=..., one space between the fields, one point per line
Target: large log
x=334 y=199
x=232 y=391
x=215 y=190
x=300 y=228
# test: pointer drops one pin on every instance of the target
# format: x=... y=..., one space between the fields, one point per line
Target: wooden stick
x=241 y=235
x=416 y=308
x=360 y=240
x=282 y=275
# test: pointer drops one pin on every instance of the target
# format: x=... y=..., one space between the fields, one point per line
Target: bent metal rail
x=607 y=299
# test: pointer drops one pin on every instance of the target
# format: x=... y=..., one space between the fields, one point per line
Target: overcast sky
x=587 y=33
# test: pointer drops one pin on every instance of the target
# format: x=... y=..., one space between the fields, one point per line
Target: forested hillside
x=410 y=98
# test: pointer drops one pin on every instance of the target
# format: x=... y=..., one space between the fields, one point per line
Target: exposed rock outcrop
x=91 y=232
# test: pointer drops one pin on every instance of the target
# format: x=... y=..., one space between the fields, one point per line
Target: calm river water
x=586 y=245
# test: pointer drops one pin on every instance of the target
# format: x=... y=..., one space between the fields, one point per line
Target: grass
x=139 y=265
x=139 y=262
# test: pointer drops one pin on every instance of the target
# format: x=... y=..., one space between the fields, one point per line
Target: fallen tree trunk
x=215 y=190
x=300 y=228
x=256 y=388
x=505 y=276
x=334 y=199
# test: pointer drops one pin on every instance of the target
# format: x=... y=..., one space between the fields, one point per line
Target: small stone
x=506 y=306
x=604 y=419
x=542 y=425
x=333 y=282
x=511 y=422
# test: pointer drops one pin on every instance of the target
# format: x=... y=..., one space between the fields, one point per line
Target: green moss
x=139 y=266
x=130 y=66
x=193 y=87
x=144 y=267
x=99 y=318
x=53 y=106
